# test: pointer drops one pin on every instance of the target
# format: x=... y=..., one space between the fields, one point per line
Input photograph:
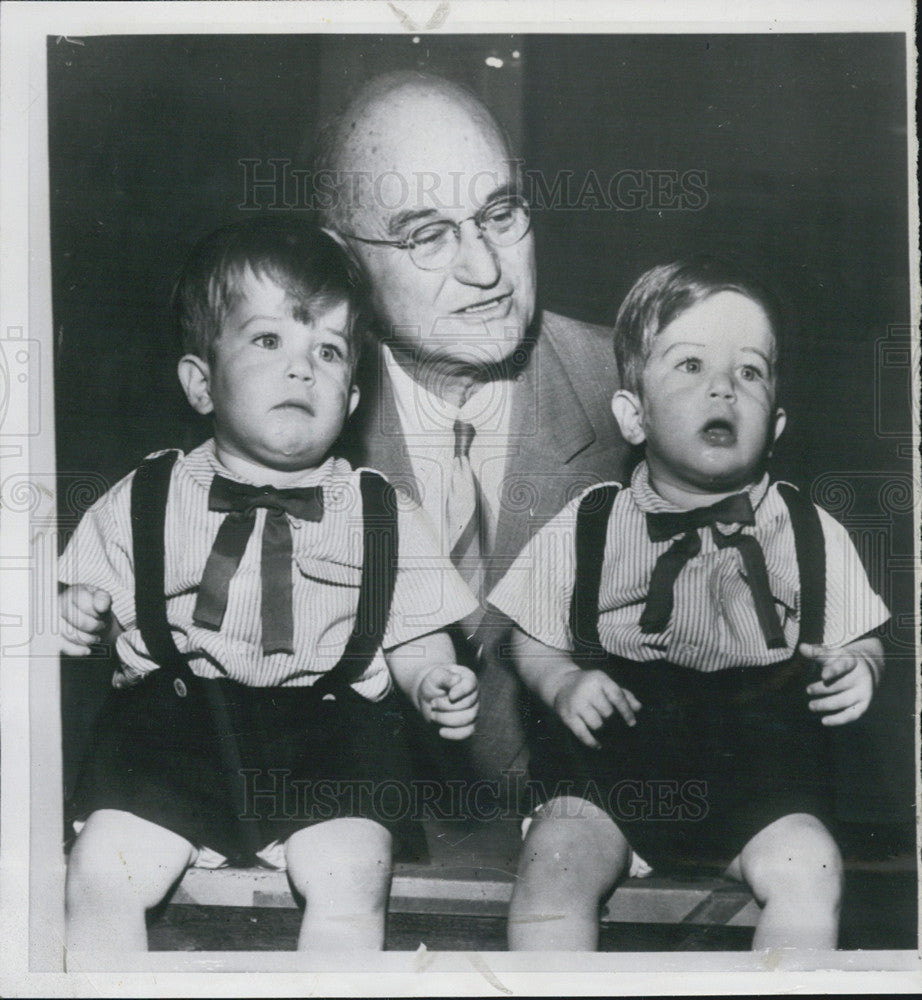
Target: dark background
x=801 y=140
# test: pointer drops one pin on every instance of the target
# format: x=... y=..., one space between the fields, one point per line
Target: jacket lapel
x=548 y=418
x=374 y=437
x=549 y=427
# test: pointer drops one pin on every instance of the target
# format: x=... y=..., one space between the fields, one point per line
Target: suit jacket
x=565 y=440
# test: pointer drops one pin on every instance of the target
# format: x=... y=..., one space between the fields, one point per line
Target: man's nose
x=476 y=262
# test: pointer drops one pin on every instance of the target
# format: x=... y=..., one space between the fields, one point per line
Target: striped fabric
x=464 y=514
x=714 y=624
x=327 y=556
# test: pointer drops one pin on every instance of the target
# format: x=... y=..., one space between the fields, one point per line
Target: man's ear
x=628 y=411
x=354 y=395
x=335 y=236
x=195 y=379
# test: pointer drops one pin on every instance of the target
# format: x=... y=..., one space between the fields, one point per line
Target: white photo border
x=31 y=902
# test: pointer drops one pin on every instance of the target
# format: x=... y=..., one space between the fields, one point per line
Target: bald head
x=388 y=144
x=414 y=162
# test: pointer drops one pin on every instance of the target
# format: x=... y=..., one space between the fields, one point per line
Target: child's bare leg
x=343 y=870
x=794 y=869
x=120 y=866
x=572 y=856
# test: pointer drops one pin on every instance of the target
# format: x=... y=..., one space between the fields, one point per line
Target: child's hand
x=848 y=677
x=586 y=698
x=85 y=617
x=447 y=696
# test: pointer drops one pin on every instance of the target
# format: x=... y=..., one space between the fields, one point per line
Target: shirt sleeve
x=429 y=593
x=99 y=554
x=537 y=588
x=853 y=608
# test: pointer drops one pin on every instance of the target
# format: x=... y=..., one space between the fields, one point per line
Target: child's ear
x=628 y=411
x=195 y=379
x=354 y=395
x=781 y=419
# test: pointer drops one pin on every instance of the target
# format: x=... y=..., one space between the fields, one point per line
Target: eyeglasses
x=433 y=246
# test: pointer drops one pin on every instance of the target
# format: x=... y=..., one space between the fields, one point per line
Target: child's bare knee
x=795 y=854
x=92 y=874
x=581 y=851
x=342 y=860
x=120 y=858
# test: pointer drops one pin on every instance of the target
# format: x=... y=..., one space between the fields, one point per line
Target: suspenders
x=591 y=528
x=149 y=492
x=379 y=571
x=811 y=562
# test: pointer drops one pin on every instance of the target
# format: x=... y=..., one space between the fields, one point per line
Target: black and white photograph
x=459 y=503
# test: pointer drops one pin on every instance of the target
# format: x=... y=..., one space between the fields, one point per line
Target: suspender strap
x=379 y=571
x=811 y=562
x=591 y=529
x=149 y=491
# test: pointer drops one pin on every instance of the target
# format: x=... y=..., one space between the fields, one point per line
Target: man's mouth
x=719 y=432
x=485 y=305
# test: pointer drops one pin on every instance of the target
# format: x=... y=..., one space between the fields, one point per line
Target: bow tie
x=731 y=510
x=240 y=502
x=735 y=509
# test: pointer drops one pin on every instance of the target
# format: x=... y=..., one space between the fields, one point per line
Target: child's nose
x=301 y=366
x=722 y=385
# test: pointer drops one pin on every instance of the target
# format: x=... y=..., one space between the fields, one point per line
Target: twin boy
x=288 y=594
x=703 y=626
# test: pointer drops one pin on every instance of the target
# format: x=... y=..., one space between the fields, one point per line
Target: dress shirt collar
x=203 y=465
x=422 y=412
x=649 y=501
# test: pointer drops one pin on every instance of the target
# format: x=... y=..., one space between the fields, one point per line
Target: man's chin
x=480 y=354
x=485 y=343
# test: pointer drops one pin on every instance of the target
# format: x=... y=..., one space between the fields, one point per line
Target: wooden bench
x=476 y=892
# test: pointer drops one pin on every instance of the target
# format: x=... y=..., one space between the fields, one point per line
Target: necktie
x=241 y=502
x=735 y=509
x=464 y=514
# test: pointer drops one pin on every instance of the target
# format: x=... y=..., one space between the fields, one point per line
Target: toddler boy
x=686 y=639
x=266 y=598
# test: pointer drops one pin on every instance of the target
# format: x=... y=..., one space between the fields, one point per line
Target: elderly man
x=490 y=411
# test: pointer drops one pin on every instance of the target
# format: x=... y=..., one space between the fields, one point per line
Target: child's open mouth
x=296 y=404
x=721 y=433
